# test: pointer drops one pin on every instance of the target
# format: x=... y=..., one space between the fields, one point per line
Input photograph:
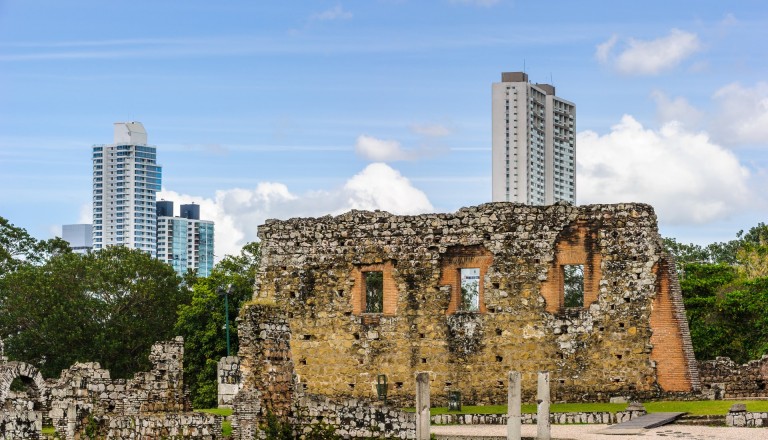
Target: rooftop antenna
x=551 y=81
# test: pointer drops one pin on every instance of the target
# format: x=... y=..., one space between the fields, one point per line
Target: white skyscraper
x=533 y=143
x=126 y=178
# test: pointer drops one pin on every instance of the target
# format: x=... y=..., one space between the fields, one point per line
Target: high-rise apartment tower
x=533 y=143
x=126 y=178
x=184 y=242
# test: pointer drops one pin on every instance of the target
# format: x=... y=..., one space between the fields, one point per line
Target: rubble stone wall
x=228 y=374
x=722 y=378
x=271 y=387
x=20 y=424
x=604 y=418
x=630 y=338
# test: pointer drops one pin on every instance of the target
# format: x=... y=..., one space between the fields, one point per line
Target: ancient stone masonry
x=152 y=405
x=724 y=379
x=739 y=416
x=228 y=374
x=270 y=386
x=370 y=293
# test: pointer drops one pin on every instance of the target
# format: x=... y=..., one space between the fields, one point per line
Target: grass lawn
x=695 y=407
x=226 y=425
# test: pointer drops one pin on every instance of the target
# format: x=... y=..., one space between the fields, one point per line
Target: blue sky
x=303 y=108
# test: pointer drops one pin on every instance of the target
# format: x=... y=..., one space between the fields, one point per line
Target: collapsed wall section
x=474 y=294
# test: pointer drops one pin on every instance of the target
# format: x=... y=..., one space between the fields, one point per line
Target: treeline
x=58 y=308
x=725 y=291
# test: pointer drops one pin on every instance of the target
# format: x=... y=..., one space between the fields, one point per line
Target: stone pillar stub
x=422 y=406
x=542 y=403
x=513 y=406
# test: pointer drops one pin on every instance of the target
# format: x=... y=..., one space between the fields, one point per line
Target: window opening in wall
x=470 y=289
x=573 y=285
x=374 y=291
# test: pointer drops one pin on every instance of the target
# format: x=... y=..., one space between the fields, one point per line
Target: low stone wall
x=20 y=424
x=739 y=416
x=228 y=374
x=199 y=426
x=354 y=418
x=722 y=378
x=605 y=418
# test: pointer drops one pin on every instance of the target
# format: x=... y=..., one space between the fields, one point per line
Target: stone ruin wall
x=228 y=379
x=270 y=386
x=722 y=378
x=154 y=404
x=630 y=339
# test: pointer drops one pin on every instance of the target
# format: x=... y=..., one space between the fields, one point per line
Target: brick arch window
x=375 y=291
x=575 y=270
x=464 y=269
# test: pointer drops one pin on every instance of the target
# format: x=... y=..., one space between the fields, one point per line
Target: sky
x=305 y=108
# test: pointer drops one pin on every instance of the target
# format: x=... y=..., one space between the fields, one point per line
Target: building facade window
x=463 y=268
x=375 y=291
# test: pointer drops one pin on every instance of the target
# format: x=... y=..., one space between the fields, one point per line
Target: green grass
x=226 y=425
x=695 y=407
x=48 y=430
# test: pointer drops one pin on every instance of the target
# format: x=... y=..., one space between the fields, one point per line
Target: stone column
x=513 y=406
x=737 y=415
x=542 y=401
x=422 y=406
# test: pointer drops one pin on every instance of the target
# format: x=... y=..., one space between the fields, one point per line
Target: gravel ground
x=590 y=432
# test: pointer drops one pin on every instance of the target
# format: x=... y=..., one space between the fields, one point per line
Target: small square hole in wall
x=499 y=358
x=638 y=276
x=536 y=261
x=347 y=313
x=422 y=335
x=621 y=325
x=398 y=385
x=496 y=285
x=500 y=383
x=423 y=360
x=293 y=294
x=340 y=293
x=613 y=307
x=307 y=337
x=290 y=315
x=626 y=300
x=360 y=361
x=498 y=332
x=561 y=381
x=491 y=309
x=351 y=386
x=618 y=356
x=305 y=386
x=357 y=336
x=615 y=283
x=602 y=329
x=303 y=361
x=447 y=384
x=562 y=356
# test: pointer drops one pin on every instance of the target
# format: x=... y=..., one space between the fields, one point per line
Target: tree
x=17 y=247
x=109 y=306
x=202 y=322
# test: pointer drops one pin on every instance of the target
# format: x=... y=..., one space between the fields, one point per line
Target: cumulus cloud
x=683 y=174
x=651 y=57
x=676 y=110
x=742 y=114
x=382 y=150
x=335 y=13
x=237 y=212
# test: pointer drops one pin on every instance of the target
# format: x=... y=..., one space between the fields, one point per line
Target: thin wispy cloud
x=648 y=57
x=485 y=3
x=335 y=13
x=431 y=130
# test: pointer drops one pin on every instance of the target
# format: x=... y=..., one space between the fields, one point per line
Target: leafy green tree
x=109 y=306
x=202 y=321
x=17 y=247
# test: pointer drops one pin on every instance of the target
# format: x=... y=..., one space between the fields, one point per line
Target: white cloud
x=676 y=110
x=431 y=130
x=651 y=57
x=335 y=13
x=86 y=213
x=742 y=114
x=685 y=176
x=381 y=150
x=237 y=212
x=603 y=51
